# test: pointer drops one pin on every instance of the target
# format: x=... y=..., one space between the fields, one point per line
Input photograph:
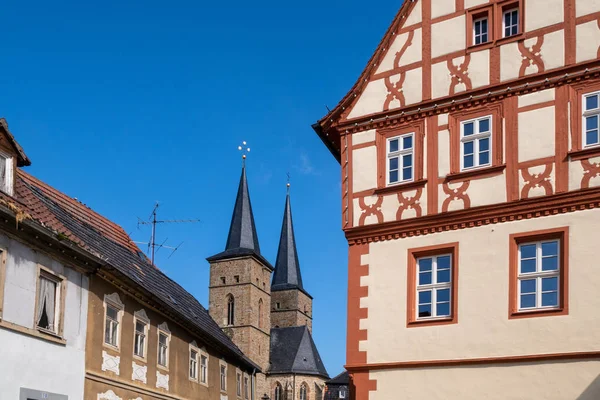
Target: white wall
x=28 y=361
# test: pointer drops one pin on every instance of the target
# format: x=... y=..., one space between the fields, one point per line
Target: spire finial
x=245 y=150
x=288 y=182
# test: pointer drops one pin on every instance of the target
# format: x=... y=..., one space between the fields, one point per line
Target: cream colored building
x=470 y=158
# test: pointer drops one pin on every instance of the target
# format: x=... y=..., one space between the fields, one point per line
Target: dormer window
x=6 y=173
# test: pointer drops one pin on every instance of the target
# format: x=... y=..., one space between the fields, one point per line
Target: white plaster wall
x=510 y=61
x=483 y=328
x=413 y=52
x=537 y=97
x=448 y=36
x=473 y=3
x=487 y=191
x=585 y=7
x=390 y=207
x=537 y=15
x=442 y=7
x=440 y=80
x=370 y=100
x=413 y=87
x=588 y=41
x=442 y=119
x=31 y=362
x=479 y=69
x=364 y=169
x=363 y=137
x=553 y=50
x=443 y=153
x=536 y=134
x=416 y=15
x=574 y=380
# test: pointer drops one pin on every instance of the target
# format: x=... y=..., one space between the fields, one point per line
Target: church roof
x=242 y=239
x=341 y=379
x=293 y=351
x=287 y=267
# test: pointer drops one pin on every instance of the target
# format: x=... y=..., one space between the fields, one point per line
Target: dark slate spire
x=242 y=239
x=293 y=351
x=287 y=267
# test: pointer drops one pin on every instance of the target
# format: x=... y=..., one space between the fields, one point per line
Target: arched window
x=303 y=392
x=260 y=315
x=230 y=310
x=278 y=395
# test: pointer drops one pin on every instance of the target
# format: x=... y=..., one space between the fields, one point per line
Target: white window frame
x=7 y=185
x=162 y=331
x=434 y=287
x=504 y=26
x=59 y=282
x=342 y=393
x=589 y=113
x=400 y=154
x=238 y=383
x=193 y=363
x=476 y=137
x=113 y=301
x=486 y=33
x=141 y=317
x=246 y=387
x=538 y=275
x=203 y=368
x=223 y=376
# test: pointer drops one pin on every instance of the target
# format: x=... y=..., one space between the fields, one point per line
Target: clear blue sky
x=123 y=103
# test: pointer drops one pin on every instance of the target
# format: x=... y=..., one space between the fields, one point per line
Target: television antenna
x=153 y=247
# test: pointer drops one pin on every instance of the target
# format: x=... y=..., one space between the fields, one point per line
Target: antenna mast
x=152 y=245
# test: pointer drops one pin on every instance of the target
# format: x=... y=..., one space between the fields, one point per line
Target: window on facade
x=260 y=316
x=139 y=344
x=591 y=117
x=223 y=280
x=203 y=368
x=303 y=392
x=230 y=310
x=246 y=388
x=400 y=159
x=476 y=142
x=342 y=393
x=480 y=30
x=223 y=378
x=238 y=387
x=237 y=278
x=539 y=275
x=163 y=349
x=6 y=173
x=277 y=395
x=48 y=303
x=434 y=286
x=193 y=364
x=510 y=22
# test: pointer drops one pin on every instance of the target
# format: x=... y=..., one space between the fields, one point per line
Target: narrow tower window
x=230 y=310
x=260 y=314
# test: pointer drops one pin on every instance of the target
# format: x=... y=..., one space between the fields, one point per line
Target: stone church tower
x=271 y=322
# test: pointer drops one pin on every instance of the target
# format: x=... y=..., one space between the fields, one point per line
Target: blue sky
x=124 y=103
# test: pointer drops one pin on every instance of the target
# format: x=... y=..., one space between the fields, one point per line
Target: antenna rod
x=152 y=242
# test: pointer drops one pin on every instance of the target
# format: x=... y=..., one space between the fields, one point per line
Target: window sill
x=111 y=347
x=478 y=47
x=584 y=153
x=162 y=367
x=33 y=333
x=401 y=187
x=478 y=173
x=509 y=39
x=431 y=322
x=141 y=359
x=538 y=313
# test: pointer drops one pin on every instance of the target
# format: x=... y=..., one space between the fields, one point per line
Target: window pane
x=407 y=160
x=484 y=125
x=393 y=163
x=111 y=313
x=528 y=251
x=394 y=145
x=468 y=128
x=550 y=263
x=591 y=122
x=443 y=309
x=425 y=278
x=484 y=24
x=528 y=301
x=507 y=20
x=484 y=144
x=484 y=157
x=468 y=161
x=591 y=137
x=425 y=311
x=139 y=326
x=468 y=148
x=425 y=297
x=477 y=27
x=443 y=262
x=393 y=176
x=443 y=276
x=591 y=102
x=528 y=266
x=549 y=284
x=550 y=299
x=528 y=286
x=425 y=264
x=407 y=174
x=162 y=339
x=407 y=142
x=484 y=38
x=443 y=295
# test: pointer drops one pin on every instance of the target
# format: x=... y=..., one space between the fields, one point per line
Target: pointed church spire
x=242 y=239
x=287 y=267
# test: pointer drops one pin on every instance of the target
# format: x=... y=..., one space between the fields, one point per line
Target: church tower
x=240 y=292
x=291 y=305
